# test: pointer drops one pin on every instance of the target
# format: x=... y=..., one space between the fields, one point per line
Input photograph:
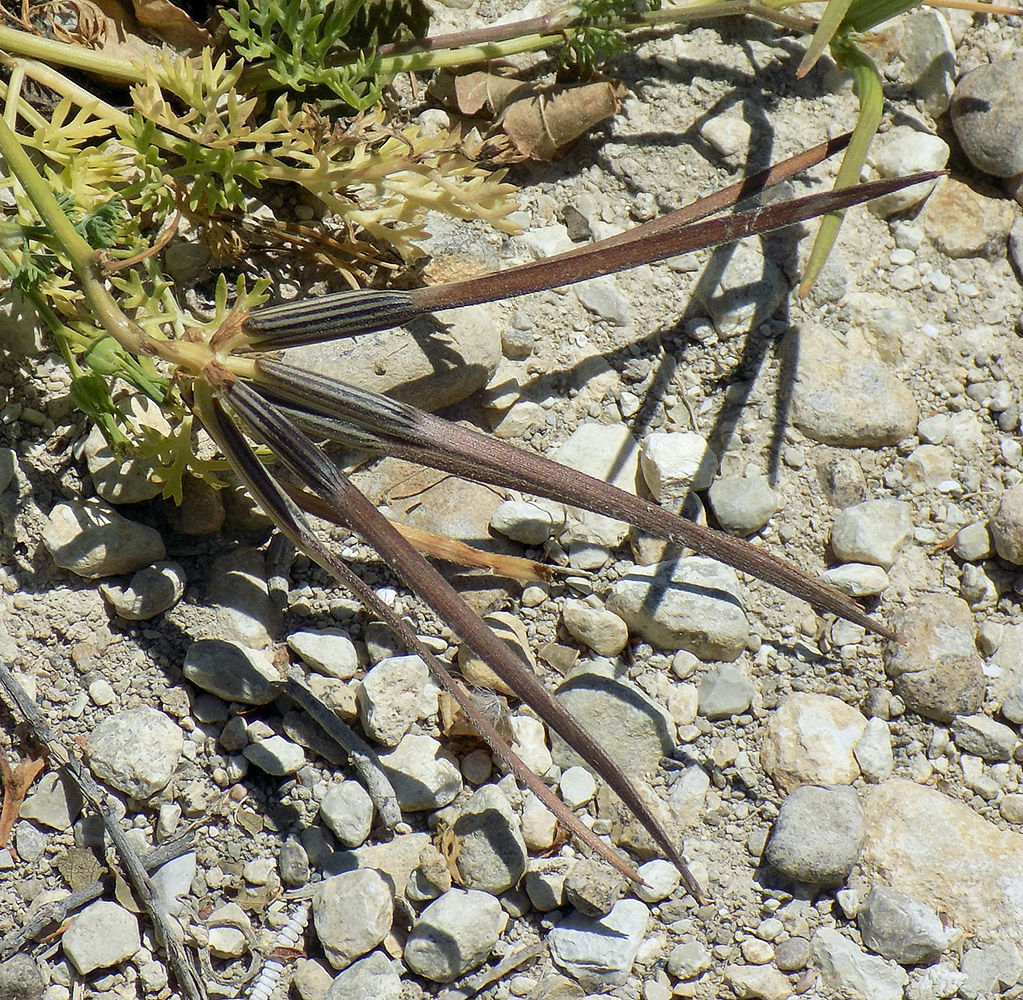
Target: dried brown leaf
x=17 y=781
x=476 y=93
x=541 y=126
x=171 y=24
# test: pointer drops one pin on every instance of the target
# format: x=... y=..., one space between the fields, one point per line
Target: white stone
x=608 y=452
x=856 y=579
x=423 y=774
x=693 y=603
x=347 y=810
x=135 y=751
x=393 y=695
x=902 y=151
x=873 y=751
x=328 y=651
x=102 y=935
x=675 y=464
x=472 y=919
x=599 y=953
x=275 y=755
x=352 y=914
x=872 y=532
x=528 y=523
x=577 y=786
x=810 y=740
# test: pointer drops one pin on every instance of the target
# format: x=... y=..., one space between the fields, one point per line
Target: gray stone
x=55 y=802
x=987 y=115
x=599 y=953
x=526 y=522
x=1012 y=706
x=593 y=887
x=413 y=364
x=740 y=288
x=371 y=977
x=856 y=579
x=844 y=399
x=928 y=59
x=352 y=914
x=454 y=934
x=92 y=540
x=744 y=505
x=937 y=670
x=231 y=671
x=151 y=591
x=980 y=735
x=293 y=863
x=422 y=773
x=492 y=853
x=817 y=836
x=393 y=695
x=902 y=929
x=102 y=935
x=29 y=841
x=792 y=954
x=635 y=731
x=1006 y=526
x=275 y=755
x=328 y=651
x=676 y=464
x=602 y=630
x=135 y=751
x=871 y=532
x=688 y=795
x=608 y=452
x=811 y=740
x=725 y=691
x=347 y=810
x=688 y=960
x=693 y=603
x=603 y=297
x=244 y=611
x=8 y=467
x=850 y=972
x=989 y=971
x=545 y=883
x=905 y=150
x=20 y=979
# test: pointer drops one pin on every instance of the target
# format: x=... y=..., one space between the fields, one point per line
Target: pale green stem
x=870 y=91
x=64 y=54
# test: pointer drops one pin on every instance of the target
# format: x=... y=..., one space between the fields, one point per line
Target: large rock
x=135 y=751
x=352 y=914
x=635 y=731
x=811 y=740
x=842 y=398
x=936 y=669
x=940 y=852
x=92 y=540
x=694 y=603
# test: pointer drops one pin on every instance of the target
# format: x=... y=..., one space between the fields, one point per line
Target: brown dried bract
x=17 y=781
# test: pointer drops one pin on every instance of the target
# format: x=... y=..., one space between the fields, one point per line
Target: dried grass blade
x=291 y=523
x=406 y=432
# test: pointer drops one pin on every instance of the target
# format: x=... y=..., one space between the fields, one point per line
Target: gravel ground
x=852 y=807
